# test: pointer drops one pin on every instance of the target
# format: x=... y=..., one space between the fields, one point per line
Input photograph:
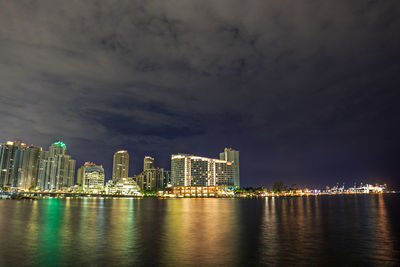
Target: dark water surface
x=324 y=230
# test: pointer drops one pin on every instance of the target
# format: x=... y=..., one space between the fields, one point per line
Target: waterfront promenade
x=37 y=195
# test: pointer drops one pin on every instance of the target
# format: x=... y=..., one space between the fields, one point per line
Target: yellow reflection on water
x=288 y=230
x=33 y=226
x=121 y=234
x=88 y=223
x=269 y=235
x=383 y=242
x=200 y=232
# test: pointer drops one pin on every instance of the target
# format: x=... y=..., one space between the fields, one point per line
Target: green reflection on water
x=49 y=229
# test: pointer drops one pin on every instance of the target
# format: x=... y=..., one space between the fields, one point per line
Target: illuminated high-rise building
x=79 y=175
x=167 y=178
x=92 y=176
x=42 y=169
x=11 y=164
x=28 y=174
x=8 y=162
x=18 y=163
x=148 y=163
x=56 y=169
x=151 y=178
x=120 y=164
x=190 y=170
x=232 y=155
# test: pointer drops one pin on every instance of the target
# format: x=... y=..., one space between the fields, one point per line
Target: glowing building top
x=60 y=144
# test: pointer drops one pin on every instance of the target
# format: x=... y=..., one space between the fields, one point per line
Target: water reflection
x=322 y=230
x=200 y=232
x=334 y=230
x=383 y=237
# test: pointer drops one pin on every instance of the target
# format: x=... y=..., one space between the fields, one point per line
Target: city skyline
x=25 y=167
x=308 y=99
x=59 y=147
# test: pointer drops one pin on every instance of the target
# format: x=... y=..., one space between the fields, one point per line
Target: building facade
x=79 y=175
x=148 y=163
x=167 y=178
x=232 y=155
x=152 y=178
x=92 y=176
x=122 y=186
x=190 y=170
x=198 y=191
x=29 y=167
x=56 y=169
x=120 y=164
x=18 y=165
x=11 y=155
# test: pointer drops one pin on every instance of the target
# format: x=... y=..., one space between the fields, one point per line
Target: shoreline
x=45 y=195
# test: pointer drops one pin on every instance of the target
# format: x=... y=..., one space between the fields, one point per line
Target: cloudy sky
x=308 y=91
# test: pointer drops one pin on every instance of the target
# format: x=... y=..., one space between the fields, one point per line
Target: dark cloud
x=307 y=90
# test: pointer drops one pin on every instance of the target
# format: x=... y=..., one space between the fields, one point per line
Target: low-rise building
x=198 y=191
x=122 y=186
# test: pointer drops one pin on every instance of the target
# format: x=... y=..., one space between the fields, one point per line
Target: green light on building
x=60 y=144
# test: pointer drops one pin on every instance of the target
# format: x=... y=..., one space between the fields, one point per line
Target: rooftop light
x=60 y=144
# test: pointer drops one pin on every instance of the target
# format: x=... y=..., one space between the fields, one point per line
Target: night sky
x=308 y=91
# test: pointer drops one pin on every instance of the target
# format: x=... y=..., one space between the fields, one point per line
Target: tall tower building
x=56 y=169
x=29 y=167
x=18 y=165
x=120 y=164
x=57 y=148
x=148 y=163
x=232 y=155
x=79 y=175
x=42 y=168
x=152 y=178
x=167 y=178
x=11 y=156
x=179 y=170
